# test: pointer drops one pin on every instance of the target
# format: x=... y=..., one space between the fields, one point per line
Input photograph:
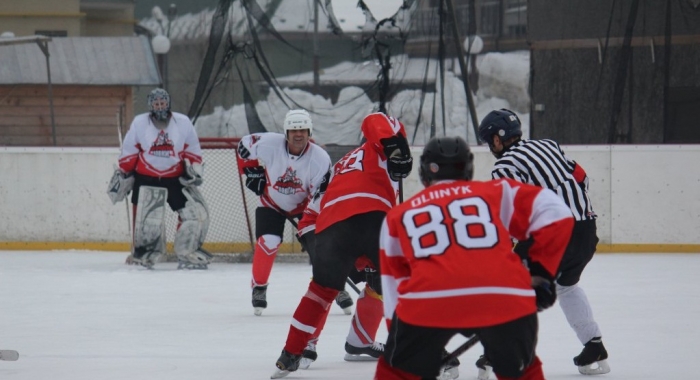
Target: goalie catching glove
x=120 y=185
x=193 y=174
x=543 y=283
x=399 y=161
x=255 y=179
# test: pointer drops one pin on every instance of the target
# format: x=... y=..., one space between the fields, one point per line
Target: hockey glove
x=120 y=185
x=243 y=151
x=399 y=160
x=543 y=283
x=193 y=174
x=255 y=179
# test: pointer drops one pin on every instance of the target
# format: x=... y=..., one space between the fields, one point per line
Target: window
x=52 y=33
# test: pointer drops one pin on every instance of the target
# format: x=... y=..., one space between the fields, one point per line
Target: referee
x=543 y=163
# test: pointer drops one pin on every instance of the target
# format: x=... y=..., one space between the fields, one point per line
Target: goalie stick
x=9 y=355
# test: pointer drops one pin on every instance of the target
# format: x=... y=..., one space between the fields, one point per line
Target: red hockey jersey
x=446 y=254
x=360 y=182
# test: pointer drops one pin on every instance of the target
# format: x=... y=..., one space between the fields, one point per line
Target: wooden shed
x=89 y=93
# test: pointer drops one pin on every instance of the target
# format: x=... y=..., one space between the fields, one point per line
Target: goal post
x=231 y=205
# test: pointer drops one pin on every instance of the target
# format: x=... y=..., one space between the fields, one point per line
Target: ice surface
x=78 y=315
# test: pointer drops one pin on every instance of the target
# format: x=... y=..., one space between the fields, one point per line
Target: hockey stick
x=347 y=279
x=471 y=342
x=129 y=259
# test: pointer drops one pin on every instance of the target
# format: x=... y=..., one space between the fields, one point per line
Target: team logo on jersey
x=163 y=146
x=288 y=184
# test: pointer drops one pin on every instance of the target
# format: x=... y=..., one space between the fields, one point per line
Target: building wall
x=83 y=115
x=25 y=18
x=579 y=72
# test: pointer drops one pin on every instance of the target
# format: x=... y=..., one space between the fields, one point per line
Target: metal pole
x=316 y=62
x=463 y=68
x=44 y=46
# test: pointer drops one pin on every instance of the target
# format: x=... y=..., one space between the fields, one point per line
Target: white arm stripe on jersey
x=363 y=195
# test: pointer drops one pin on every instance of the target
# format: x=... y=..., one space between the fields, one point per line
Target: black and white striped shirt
x=543 y=163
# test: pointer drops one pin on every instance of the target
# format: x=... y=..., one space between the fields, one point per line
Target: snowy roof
x=81 y=60
x=290 y=16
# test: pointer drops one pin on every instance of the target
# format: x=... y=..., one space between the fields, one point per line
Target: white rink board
x=643 y=194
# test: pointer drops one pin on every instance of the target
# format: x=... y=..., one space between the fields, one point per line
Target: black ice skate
x=450 y=370
x=367 y=353
x=593 y=359
x=308 y=356
x=485 y=368
x=259 y=299
x=345 y=302
x=286 y=363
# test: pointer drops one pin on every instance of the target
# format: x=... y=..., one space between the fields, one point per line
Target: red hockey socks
x=532 y=372
x=309 y=317
x=386 y=372
x=368 y=315
x=264 y=257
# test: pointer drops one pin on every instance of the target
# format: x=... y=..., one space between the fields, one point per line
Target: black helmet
x=446 y=158
x=503 y=123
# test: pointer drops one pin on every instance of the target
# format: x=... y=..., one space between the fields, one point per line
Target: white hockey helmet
x=297 y=119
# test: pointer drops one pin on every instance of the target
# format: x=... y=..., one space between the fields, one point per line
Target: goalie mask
x=159 y=104
x=446 y=158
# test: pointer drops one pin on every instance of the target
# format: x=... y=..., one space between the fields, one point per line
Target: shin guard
x=309 y=317
x=369 y=313
x=264 y=257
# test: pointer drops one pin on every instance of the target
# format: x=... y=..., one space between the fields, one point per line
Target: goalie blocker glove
x=399 y=160
x=543 y=283
x=255 y=179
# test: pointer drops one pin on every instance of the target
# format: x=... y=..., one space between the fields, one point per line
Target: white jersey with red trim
x=157 y=152
x=449 y=248
x=290 y=179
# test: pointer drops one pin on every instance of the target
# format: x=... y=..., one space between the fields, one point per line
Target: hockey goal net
x=231 y=205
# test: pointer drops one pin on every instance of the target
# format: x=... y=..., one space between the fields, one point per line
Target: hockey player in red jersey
x=449 y=248
x=368 y=315
x=294 y=169
x=362 y=189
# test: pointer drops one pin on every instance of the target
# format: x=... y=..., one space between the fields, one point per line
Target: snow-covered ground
x=76 y=315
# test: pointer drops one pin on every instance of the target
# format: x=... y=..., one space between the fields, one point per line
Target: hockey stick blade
x=9 y=355
x=471 y=342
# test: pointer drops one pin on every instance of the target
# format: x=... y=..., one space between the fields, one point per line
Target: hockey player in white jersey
x=162 y=156
x=293 y=169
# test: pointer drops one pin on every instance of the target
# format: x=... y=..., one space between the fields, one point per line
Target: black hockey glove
x=543 y=283
x=255 y=179
x=323 y=186
x=399 y=161
x=243 y=151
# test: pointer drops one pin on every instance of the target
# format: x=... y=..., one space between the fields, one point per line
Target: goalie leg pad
x=194 y=224
x=149 y=225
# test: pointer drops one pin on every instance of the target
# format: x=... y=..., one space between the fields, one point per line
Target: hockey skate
x=345 y=302
x=308 y=356
x=485 y=368
x=198 y=259
x=593 y=359
x=286 y=363
x=450 y=370
x=370 y=352
x=259 y=299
